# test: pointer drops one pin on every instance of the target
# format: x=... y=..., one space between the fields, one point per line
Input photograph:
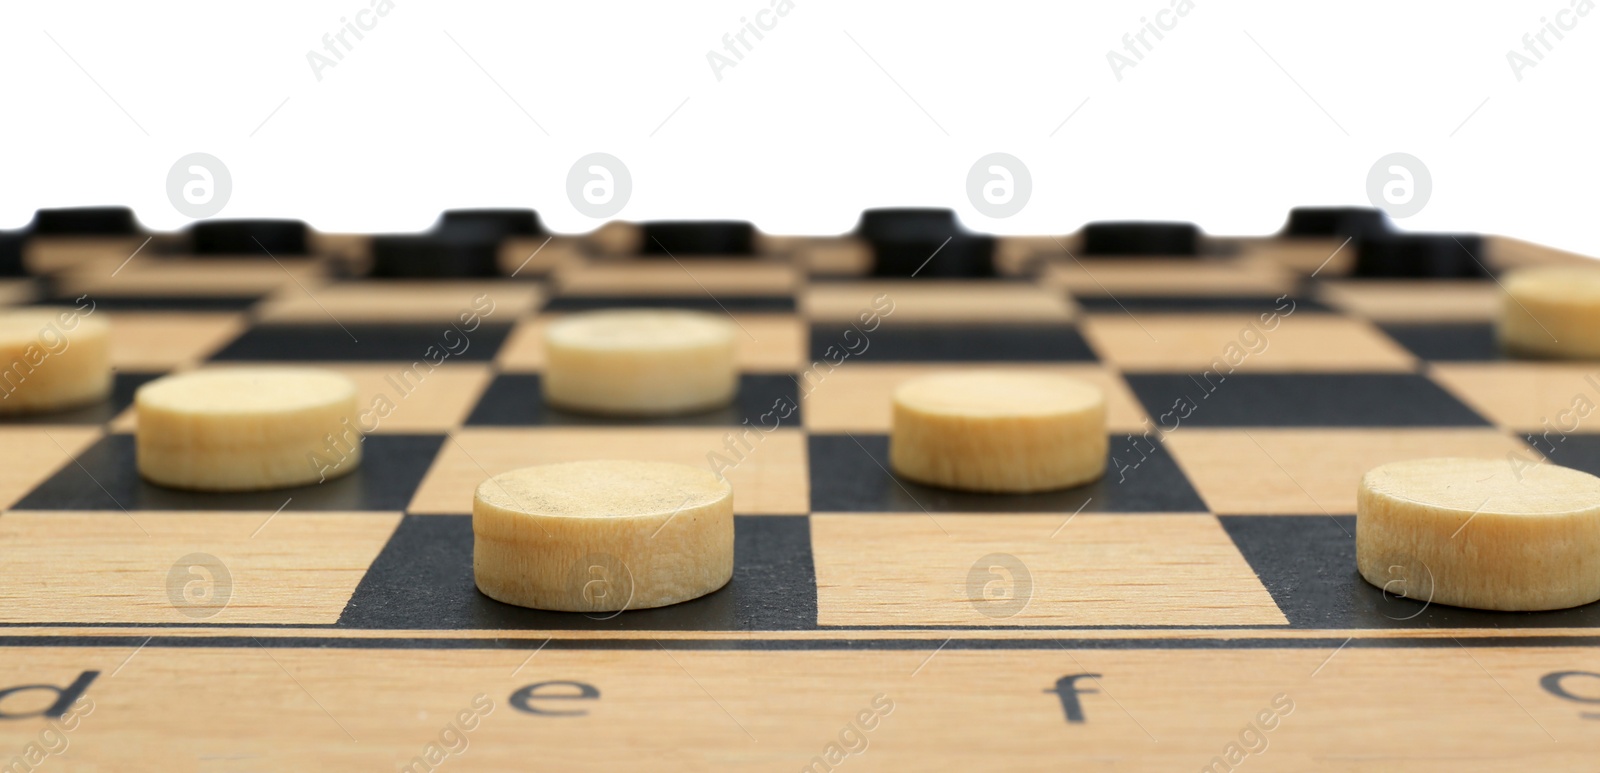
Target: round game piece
x=960 y=256
x=510 y=222
x=462 y=250
x=52 y=359
x=1552 y=311
x=249 y=238
x=640 y=362
x=698 y=237
x=1141 y=238
x=84 y=221
x=1481 y=533
x=602 y=536
x=907 y=222
x=998 y=431
x=246 y=429
x=1335 y=221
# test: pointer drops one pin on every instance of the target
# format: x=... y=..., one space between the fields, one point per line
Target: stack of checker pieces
x=1250 y=382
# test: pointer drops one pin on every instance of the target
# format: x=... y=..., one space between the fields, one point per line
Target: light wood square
x=185 y=277
x=1318 y=256
x=107 y=567
x=859 y=397
x=846 y=256
x=401 y=301
x=767 y=343
x=936 y=301
x=1102 y=277
x=50 y=254
x=771 y=479
x=683 y=277
x=533 y=255
x=905 y=569
x=15 y=292
x=1391 y=300
x=1311 y=471
x=1532 y=397
x=1303 y=341
x=29 y=455
x=159 y=341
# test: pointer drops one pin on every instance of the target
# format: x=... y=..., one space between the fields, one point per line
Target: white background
x=1243 y=110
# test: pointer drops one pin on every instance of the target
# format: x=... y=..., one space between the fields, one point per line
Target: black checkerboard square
x=718 y=305
x=105 y=302
x=1447 y=342
x=850 y=473
x=967 y=342
x=365 y=342
x=423 y=580
x=517 y=399
x=1308 y=564
x=1190 y=304
x=1580 y=452
x=106 y=477
x=1300 y=400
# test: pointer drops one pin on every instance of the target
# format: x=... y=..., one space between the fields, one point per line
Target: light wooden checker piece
x=1172 y=613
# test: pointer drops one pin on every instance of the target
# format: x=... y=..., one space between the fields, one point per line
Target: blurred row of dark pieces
x=902 y=242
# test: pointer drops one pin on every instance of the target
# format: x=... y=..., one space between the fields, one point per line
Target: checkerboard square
x=964 y=342
x=106 y=477
x=1458 y=341
x=987 y=570
x=366 y=343
x=436 y=302
x=858 y=397
x=423 y=581
x=677 y=277
x=767 y=470
x=156 y=341
x=110 y=567
x=935 y=301
x=850 y=473
x=1306 y=471
x=1127 y=277
x=1308 y=563
x=1192 y=304
x=1529 y=397
x=721 y=304
x=1302 y=341
x=1413 y=301
x=1299 y=400
x=33 y=454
